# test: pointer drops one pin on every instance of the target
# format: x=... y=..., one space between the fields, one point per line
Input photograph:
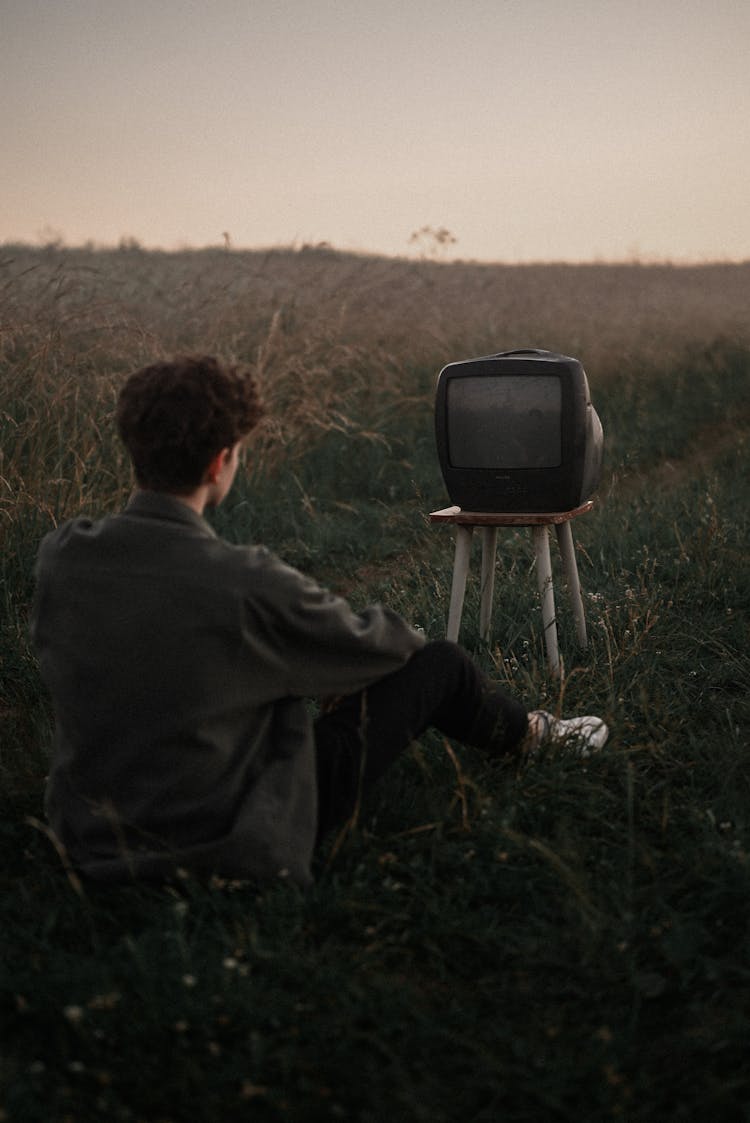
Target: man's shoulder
x=56 y=539
x=75 y=538
x=180 y=548
x=251 y=557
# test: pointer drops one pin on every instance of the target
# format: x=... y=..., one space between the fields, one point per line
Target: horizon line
x=130 y=245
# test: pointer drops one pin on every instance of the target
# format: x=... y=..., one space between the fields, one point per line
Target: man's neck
x=196 y=500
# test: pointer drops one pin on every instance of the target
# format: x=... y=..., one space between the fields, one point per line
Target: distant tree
x=128 y=244
x=432 y=241
x=51 y=238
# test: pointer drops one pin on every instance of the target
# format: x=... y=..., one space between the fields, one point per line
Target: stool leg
x=547 y=594
x=570 y=568
x=458 y=588
x=489 y=546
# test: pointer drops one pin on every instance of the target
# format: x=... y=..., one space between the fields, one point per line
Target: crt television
x=516 y=433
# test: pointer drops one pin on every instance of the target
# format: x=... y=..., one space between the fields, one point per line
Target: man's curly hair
x=174 y=417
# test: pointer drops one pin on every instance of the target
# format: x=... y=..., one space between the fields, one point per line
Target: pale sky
x=531 y=129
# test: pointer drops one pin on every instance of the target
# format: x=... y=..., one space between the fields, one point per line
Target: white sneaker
x=585 y=735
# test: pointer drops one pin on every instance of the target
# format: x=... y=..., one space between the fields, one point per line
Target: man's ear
x=215 y=466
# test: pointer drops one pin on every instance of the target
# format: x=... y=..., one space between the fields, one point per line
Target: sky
x=531 y=130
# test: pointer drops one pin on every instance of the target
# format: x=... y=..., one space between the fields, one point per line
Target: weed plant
x=548 y=940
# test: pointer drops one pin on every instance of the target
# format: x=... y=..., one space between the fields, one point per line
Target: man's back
x=177 y=665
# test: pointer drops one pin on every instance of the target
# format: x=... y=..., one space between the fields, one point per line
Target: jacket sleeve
x=322 y=646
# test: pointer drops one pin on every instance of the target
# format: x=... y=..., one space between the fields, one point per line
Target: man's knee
x=442 y=658
x=445 y=652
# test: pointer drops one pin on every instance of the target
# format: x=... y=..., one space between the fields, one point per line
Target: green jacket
x=178 y=666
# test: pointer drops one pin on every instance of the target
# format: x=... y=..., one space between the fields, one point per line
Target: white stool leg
x=570 y=568
x=458 y=587
x=489 y=546
x=547 y=594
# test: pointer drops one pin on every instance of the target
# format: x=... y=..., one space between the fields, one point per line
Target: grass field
x=564 y=940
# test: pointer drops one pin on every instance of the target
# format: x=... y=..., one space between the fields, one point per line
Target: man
x=181 y=667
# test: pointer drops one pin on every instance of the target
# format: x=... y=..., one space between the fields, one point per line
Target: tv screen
x=531 y=432
x=516 y=432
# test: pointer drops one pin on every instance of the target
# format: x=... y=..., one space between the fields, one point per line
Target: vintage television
x=516 y=433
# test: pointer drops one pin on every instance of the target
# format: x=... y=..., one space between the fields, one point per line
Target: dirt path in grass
x=711 y=444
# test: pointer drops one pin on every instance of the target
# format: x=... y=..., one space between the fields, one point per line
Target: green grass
x=558 y=941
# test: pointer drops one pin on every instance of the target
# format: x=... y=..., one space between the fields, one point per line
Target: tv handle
x=536 y=351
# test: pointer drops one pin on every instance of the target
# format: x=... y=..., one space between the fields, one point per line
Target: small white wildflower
x=106 y=1001
x=74 y=1014
x=249 y=1091
x=189 y=980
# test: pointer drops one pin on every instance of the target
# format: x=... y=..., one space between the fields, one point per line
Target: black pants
x=439 y=687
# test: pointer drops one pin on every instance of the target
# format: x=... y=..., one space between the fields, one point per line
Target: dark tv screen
x=530 y=435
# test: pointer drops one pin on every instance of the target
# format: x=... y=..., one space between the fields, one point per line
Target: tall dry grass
x=408 y=312
x=337 y=341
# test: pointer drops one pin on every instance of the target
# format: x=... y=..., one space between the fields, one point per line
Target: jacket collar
x=161 y=505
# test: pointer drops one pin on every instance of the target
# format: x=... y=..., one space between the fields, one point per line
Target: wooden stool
x=465 y=521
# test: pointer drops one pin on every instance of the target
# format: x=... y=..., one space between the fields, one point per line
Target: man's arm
x=325 y=647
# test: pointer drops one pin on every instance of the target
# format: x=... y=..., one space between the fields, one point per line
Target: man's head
x=175 y=417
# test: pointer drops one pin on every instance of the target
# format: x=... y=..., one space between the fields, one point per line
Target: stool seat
x=489 y=521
